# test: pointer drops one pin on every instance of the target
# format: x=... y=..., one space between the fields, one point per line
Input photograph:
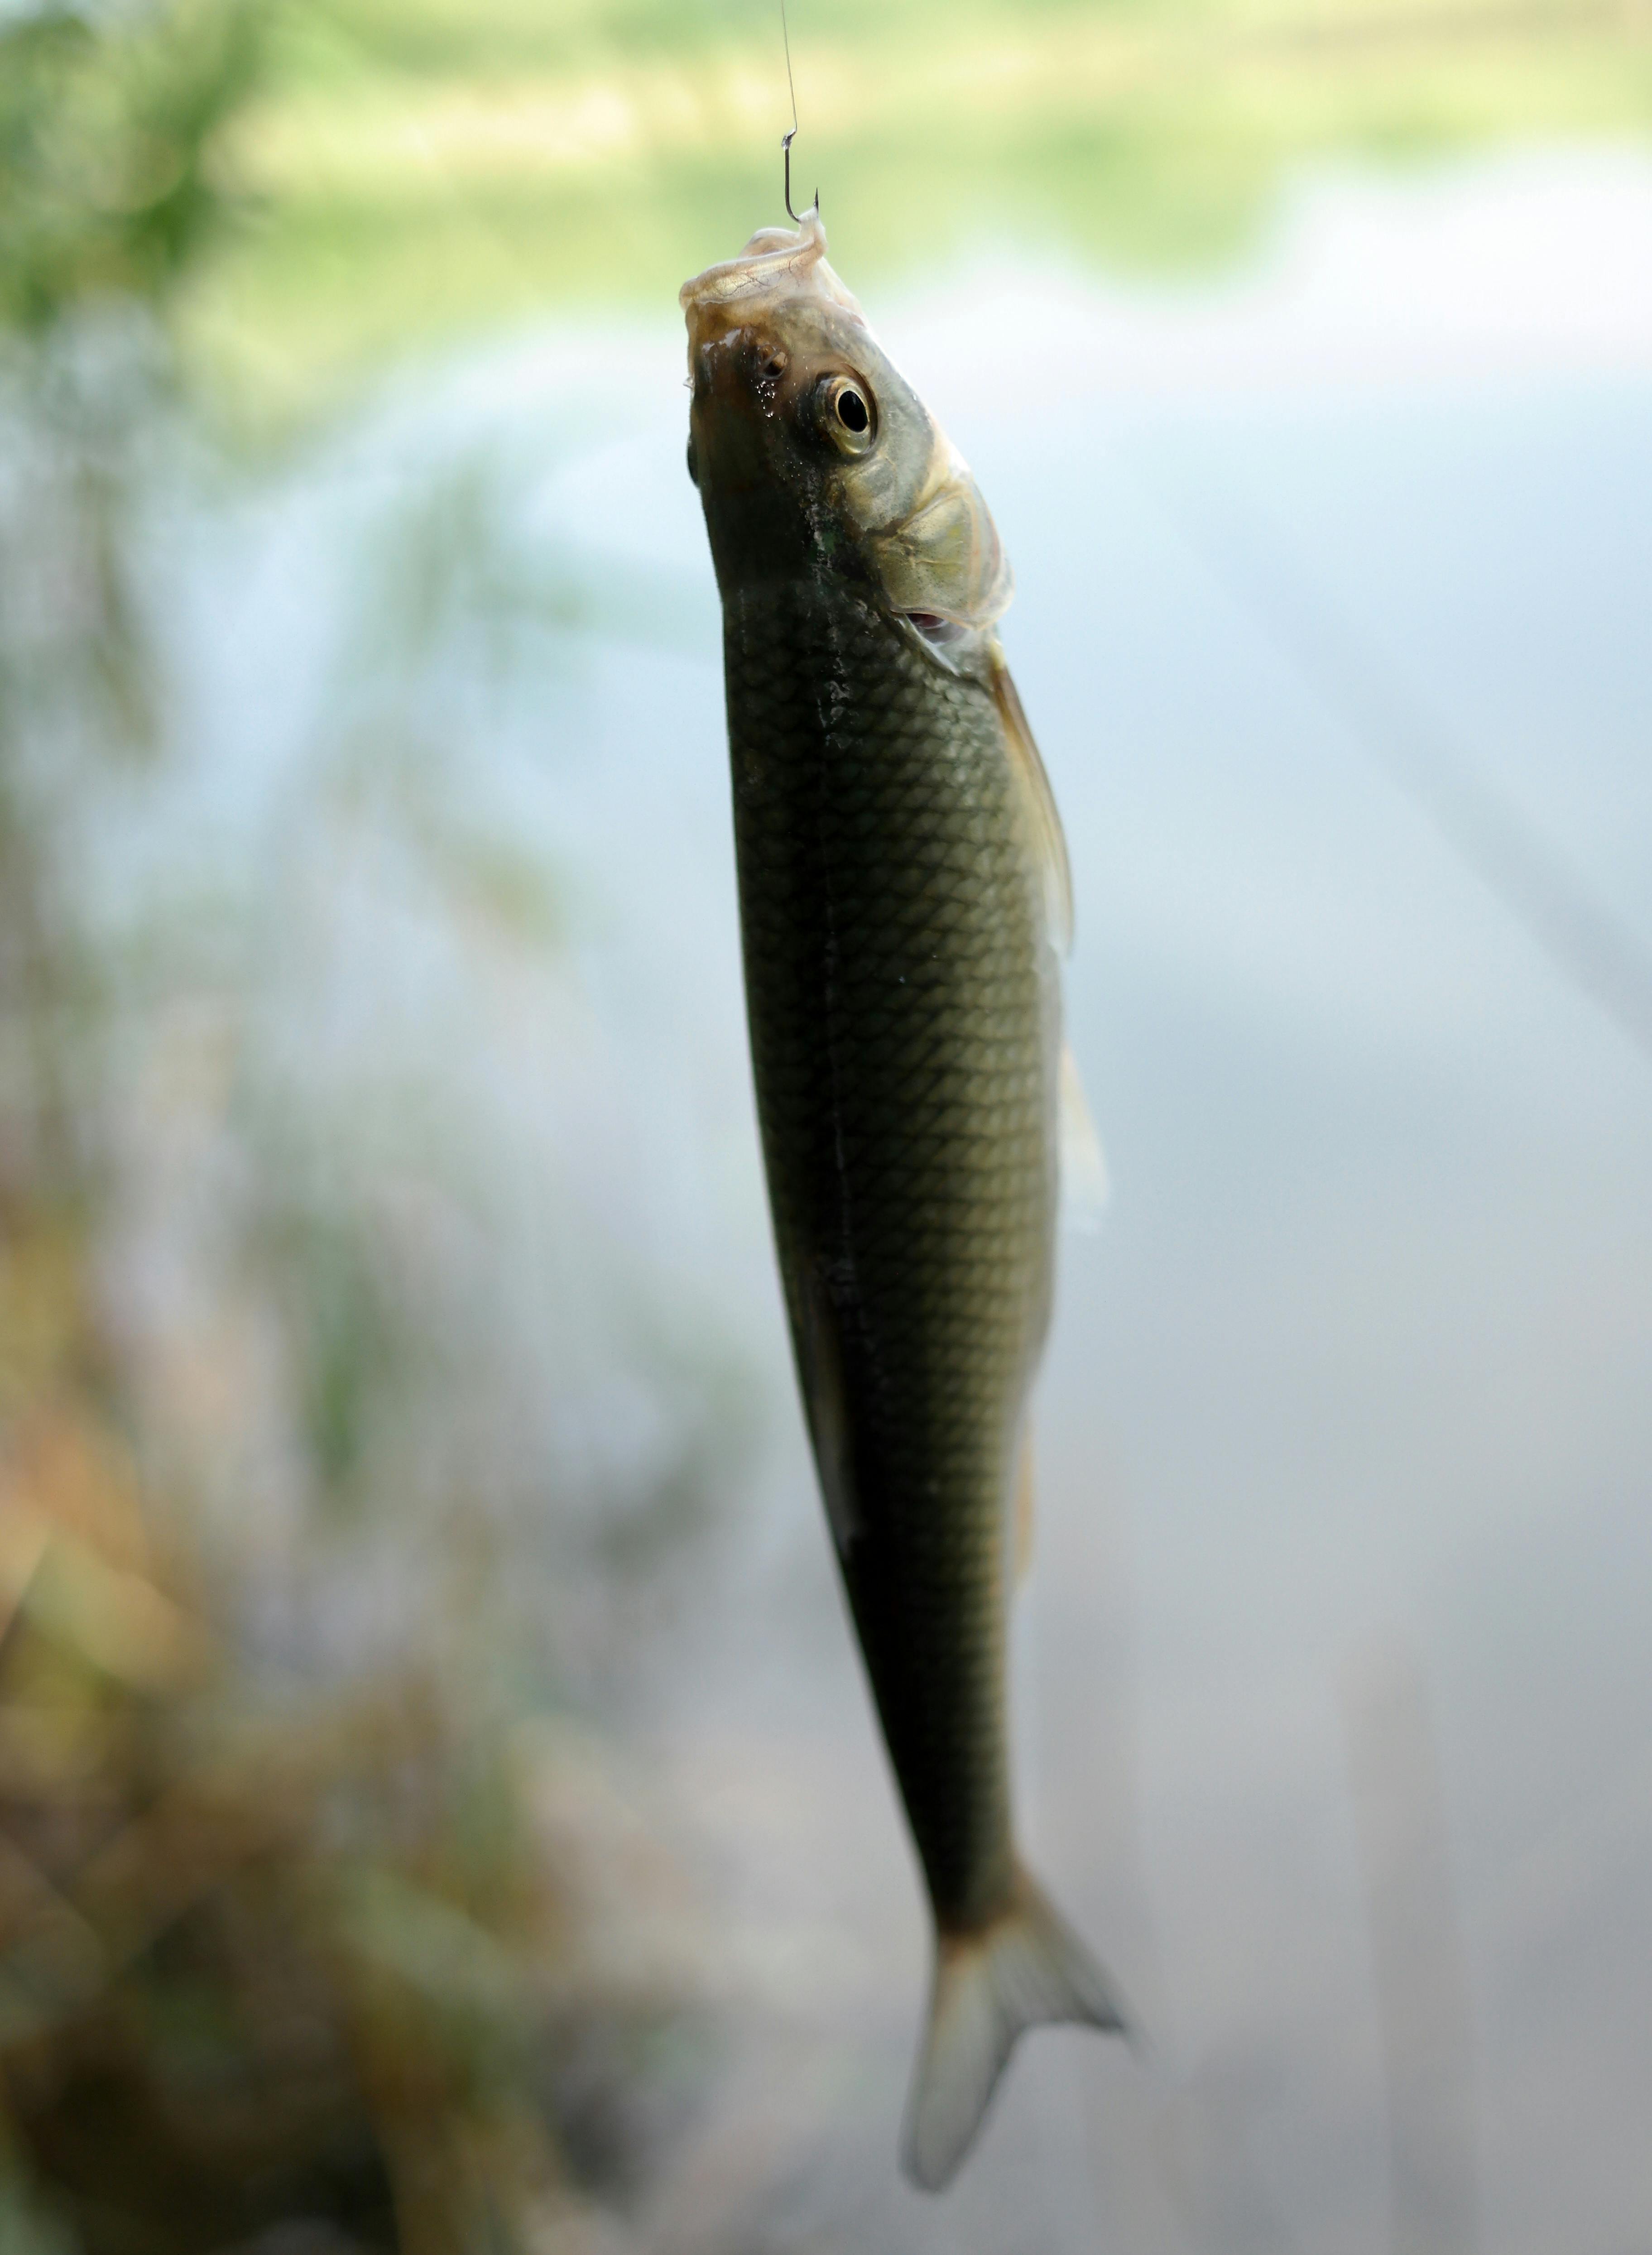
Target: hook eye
x=845 y=411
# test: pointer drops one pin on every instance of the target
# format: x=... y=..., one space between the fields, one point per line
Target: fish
x=905 y=901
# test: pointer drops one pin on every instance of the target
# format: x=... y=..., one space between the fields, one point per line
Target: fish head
x=814 y=456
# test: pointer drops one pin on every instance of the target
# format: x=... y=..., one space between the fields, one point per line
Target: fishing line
x=787 y=140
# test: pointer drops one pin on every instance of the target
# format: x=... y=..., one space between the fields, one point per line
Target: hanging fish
x=904 y=903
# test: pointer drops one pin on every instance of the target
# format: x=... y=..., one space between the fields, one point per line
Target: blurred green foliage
x=424 y=170
x=103 y=123
x=400 y=173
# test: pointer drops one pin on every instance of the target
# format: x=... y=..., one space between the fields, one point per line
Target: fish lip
x=774 y=256
x=776 y=266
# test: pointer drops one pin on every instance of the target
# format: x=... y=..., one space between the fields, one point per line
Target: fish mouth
x=777 y=270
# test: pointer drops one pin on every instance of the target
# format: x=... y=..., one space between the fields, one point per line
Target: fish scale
x=893 y=937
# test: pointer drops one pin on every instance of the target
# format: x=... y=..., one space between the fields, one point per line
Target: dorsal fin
x=1041 y=803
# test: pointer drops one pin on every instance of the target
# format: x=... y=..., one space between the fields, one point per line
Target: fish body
x=903 y=903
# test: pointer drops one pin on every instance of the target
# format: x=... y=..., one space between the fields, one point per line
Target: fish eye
x=846 y=413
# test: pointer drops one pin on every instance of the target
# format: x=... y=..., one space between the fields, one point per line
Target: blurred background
x=440 y=1807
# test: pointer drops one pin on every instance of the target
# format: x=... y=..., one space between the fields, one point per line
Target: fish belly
x=902 y=1000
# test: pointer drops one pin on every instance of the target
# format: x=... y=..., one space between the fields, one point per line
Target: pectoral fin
x=1040 y=802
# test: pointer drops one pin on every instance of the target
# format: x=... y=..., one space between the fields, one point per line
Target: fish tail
x=1026 y=1967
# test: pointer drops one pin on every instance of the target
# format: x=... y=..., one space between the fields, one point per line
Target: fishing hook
x=787 y=140
x=786 y=145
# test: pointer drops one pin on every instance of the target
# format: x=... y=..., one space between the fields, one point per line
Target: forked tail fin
x=1027 y=1967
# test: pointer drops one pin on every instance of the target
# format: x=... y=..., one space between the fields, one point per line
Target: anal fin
x=1085 y=1186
